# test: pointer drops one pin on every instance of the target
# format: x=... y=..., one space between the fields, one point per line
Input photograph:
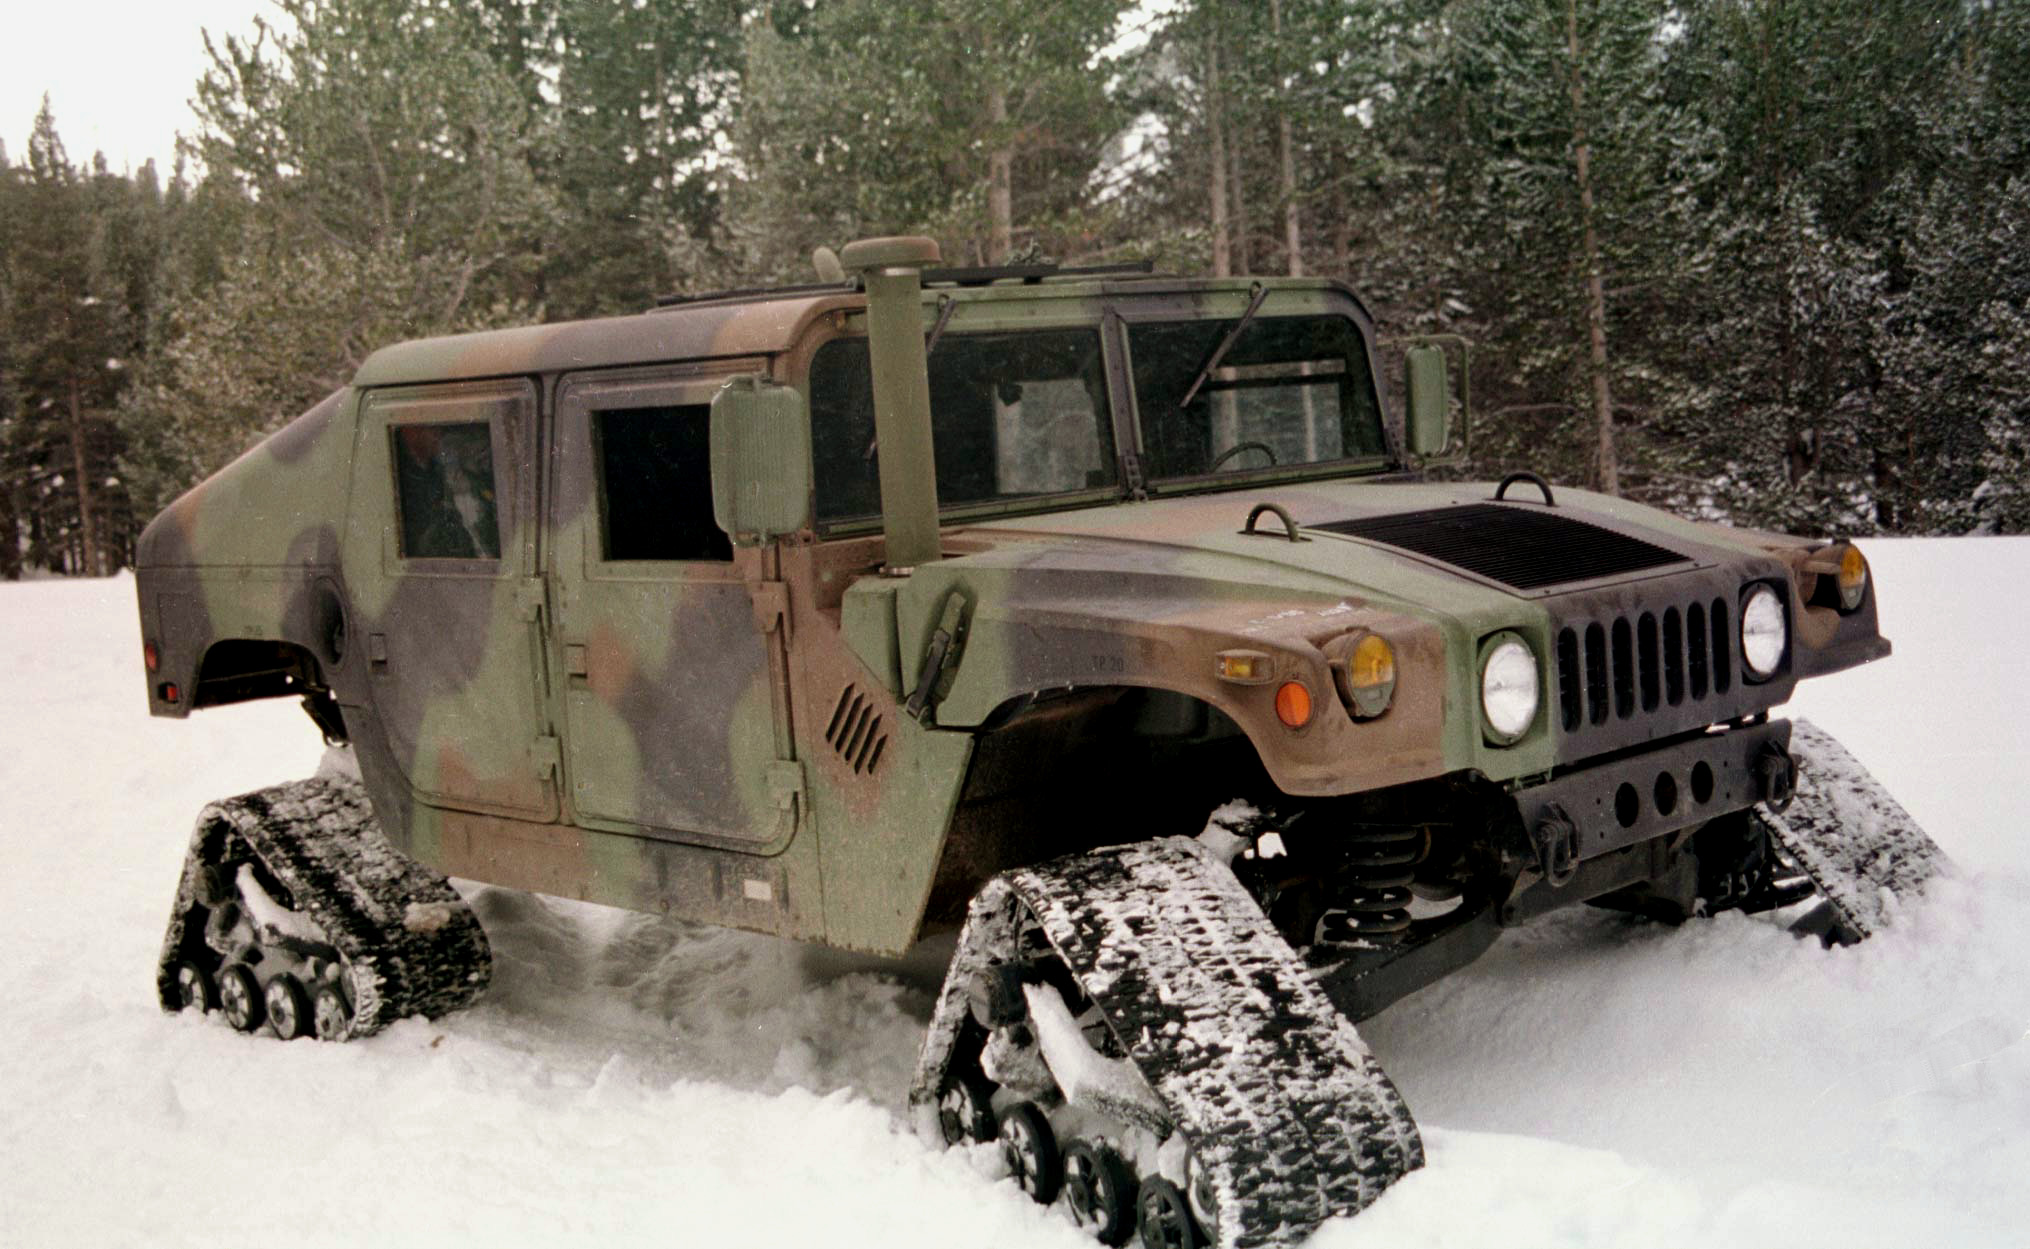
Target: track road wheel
x=965 y=1113
x=194 y=989
x=288 y=1007
x=330 y=1015
x=1099 y=1188
x=1031 y=1150
x=1163 y=1219
x=240 y=997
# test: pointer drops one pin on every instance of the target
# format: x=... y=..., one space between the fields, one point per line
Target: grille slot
x=1615 y=669
x=1520 y=547
x=1695 y=647
x=1673 y=657
x=1723 y=664
x=855 y=731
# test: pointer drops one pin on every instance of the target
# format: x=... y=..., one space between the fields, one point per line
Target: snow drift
x=1593 y=1081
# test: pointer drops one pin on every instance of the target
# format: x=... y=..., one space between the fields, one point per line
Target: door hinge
x=786 y=785
x=1131 y=469
x=547 y=756
x=531 y=596
x=771 y=607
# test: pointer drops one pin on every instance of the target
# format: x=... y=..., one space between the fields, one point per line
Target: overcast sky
x=120 y=73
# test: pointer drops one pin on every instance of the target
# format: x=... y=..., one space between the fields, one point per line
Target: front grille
x=1615 y=669
x=1520 y=547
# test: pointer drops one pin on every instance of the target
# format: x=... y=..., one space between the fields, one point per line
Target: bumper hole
x=1702 y=783
x=1627 y=805
x=1666 y=793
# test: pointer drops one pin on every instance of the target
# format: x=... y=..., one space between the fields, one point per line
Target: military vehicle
x=924 y=600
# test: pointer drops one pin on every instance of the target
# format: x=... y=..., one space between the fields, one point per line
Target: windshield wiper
x=1256 y=295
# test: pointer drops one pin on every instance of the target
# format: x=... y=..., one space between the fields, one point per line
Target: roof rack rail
x=980 y=276
x=1032 y=273
x=758 y=292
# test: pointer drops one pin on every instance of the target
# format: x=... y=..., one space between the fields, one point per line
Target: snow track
x=1858 y=844
x=1267 y=1081
x=411 y=945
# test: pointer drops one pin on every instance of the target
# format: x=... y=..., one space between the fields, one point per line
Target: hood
x=1404 y=543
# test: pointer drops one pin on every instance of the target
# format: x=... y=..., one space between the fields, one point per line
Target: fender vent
x=1525 y=548
x=855 y=732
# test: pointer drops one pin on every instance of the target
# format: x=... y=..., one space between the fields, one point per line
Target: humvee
x=924 y=600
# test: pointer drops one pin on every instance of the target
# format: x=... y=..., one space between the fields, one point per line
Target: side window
x=655 y=484
x=1015 y=415
x=444 y=486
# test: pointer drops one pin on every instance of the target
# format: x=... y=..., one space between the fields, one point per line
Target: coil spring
x=1373 y=898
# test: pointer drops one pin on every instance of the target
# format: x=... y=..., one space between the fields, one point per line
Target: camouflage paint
x=726 y=741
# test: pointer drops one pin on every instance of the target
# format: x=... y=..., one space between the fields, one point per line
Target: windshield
x=1290 y=391
x=1014 y=416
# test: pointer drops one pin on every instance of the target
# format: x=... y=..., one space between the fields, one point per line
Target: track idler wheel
x=330 y=1014
x=288 y=1007
x=240 y=997
x=194 y=988
x=1163 y=1218
x=1031 y=1150
x=1100 y=1190
x=965 y=1114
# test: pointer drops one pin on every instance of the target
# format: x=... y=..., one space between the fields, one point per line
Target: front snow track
x=281 y=879
x=1284 y=1114
x=1859 y=846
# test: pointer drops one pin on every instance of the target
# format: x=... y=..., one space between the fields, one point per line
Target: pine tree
x=979 y=121
x=65 y=326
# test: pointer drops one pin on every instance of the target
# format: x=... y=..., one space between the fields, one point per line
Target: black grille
x=1602 y=676
x=1526 y=548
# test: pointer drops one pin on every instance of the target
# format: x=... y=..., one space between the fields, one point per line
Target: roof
x=751 y=328
x=731 y=326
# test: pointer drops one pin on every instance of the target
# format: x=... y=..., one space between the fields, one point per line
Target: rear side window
x=655 y=475
x=444 y=482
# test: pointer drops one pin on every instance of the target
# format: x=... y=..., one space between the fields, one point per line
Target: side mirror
x=1429 y=387
x=761 y=460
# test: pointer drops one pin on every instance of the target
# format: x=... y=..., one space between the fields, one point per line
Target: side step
x=1858 y=844
x=1287 y=1118
x=299 y=877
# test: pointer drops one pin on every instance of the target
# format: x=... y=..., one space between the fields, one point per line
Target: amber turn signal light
x=1853 y=577
x=1243 y=667
x=1293 y=704
x=150 y=656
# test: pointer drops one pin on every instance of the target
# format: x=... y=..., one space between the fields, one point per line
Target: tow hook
x=1557 y=839
x=1776 y=773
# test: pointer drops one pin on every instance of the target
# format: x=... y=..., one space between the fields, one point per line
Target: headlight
x=1508 y=688
x=1763 y=633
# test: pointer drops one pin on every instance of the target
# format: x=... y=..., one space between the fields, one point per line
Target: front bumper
x=1603 y=807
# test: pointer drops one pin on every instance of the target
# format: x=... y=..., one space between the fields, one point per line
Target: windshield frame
x=1228 y=305
x=1111 y=311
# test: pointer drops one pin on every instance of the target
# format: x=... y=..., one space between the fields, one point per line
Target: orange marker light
x=1853 y=577
x=150 y=656
x=1293 y=704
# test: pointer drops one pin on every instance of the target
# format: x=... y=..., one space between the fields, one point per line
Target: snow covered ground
x=1591 y=1082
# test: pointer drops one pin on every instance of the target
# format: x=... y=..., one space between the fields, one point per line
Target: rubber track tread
x=1269 y=1083
x=1860 y=847
x=411 y=944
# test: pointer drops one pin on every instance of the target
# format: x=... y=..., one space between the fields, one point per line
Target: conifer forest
x=1765 y=261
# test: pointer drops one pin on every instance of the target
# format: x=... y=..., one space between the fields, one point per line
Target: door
x=675 y=714
x=441 y=566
